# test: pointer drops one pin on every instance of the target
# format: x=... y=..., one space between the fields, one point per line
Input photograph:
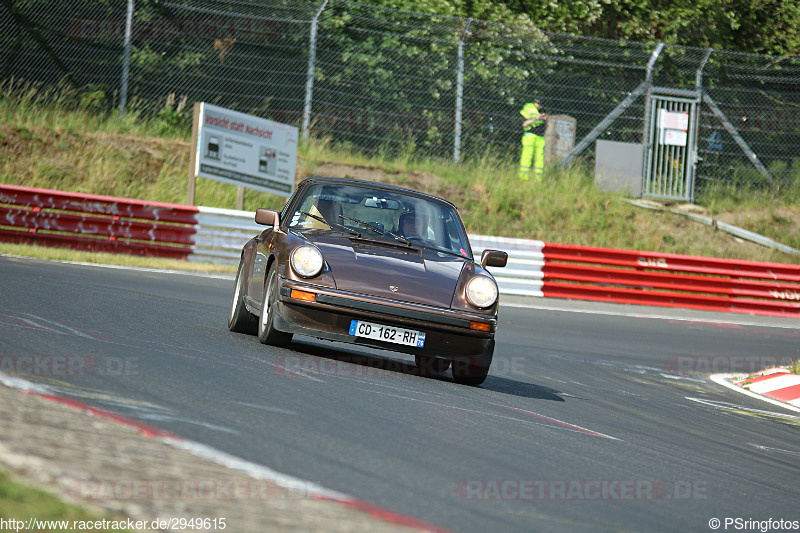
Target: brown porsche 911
x=370 y=264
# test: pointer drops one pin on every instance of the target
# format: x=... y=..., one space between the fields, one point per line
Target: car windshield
x=380 y=214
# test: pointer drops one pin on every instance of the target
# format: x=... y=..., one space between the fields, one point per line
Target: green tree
x=768 y=26
x=760 y=26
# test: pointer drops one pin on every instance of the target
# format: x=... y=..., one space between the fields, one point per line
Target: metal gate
x=670 y=159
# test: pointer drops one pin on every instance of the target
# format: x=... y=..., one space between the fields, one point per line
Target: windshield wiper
x=342 y=226
x=380 y=232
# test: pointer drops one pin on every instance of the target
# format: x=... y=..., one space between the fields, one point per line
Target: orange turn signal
x=303 y=295
x=480 y=326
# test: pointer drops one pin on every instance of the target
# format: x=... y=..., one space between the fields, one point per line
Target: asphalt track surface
x=594 y=418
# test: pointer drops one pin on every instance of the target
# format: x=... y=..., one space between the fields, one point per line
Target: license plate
x=379 y=332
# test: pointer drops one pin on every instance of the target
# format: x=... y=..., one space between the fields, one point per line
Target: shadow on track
x=321 y=360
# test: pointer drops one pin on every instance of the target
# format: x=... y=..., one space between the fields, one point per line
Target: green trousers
x=532 y=149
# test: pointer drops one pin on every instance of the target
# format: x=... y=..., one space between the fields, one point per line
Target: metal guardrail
x=670 y=280
x=523 y=275
x=96 y=223
x=222 y=233
x=535 y=268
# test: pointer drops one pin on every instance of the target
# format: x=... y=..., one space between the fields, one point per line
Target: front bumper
x=448 y=332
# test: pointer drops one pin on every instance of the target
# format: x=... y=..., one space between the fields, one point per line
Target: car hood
x=413 y=275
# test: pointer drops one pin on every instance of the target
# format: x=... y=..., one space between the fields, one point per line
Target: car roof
x=375 y=184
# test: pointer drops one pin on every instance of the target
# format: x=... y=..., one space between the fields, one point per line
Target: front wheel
x=240 y=319
x=267 y=333
x=468 y=371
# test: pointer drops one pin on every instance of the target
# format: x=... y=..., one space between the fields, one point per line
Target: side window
x=289 y=202
x=298 y=218
x=314 y=212
x=455 y=236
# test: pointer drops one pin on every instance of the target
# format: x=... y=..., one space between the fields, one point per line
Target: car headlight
x=481 y=291
x=307 y=261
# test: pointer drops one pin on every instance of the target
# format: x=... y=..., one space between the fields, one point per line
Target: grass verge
x=102 y=258
x=21 y=502
x=62 y=139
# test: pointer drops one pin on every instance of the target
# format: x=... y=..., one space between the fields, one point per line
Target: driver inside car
x=408 y=226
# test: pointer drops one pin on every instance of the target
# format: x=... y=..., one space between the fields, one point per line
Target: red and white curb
x=776 y=385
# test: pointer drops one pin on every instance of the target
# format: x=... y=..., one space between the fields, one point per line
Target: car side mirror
x=268 y=217
x=493 y=258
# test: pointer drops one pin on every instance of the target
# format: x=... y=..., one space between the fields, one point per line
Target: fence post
x=126 y=60
x=646 y=147
x=698 y=77
x=694 y=138
x=312 y=57
x=460 y=93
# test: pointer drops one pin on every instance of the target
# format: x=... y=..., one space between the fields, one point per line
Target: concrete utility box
x=618 y=167
x=559 y=135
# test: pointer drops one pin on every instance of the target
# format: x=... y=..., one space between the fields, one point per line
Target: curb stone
x=776 y=383
x=88 y=459
x=777 y=386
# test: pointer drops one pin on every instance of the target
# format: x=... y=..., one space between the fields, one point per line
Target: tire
x=267 y=333
x=431 y=366
x=471 y=372
x=240 y=319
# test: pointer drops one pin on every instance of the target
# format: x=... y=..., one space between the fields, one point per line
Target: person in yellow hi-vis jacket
x=532 y=141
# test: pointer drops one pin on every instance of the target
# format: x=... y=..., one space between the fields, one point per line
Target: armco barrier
x=552 y=270
x=534 y=268
x=221 y=234
x=96 y=223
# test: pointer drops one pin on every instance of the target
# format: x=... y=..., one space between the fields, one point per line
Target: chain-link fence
x=387 y=81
